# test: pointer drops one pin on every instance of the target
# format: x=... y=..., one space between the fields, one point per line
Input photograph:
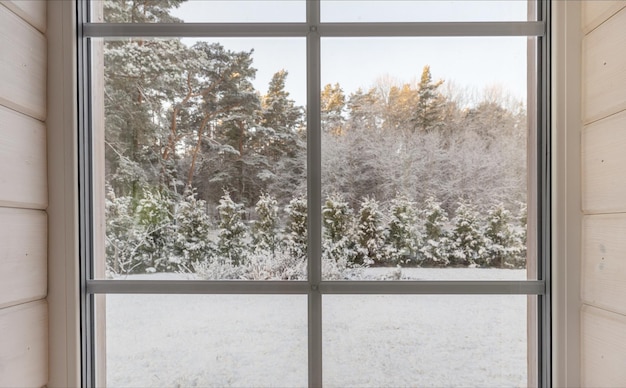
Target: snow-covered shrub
x=435 y=247
x=370 y=234
x=296 y=228
x=154 y=220
x=337 y=229
x=265 y=228
x=468 y=241
x=503 y=244
x=403 y=236
x=231 y=244
x=191 y=238
x=122 y=238
x=274 y=265
x=218 y=269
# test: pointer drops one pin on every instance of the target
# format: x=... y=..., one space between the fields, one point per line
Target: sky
x=473 y=63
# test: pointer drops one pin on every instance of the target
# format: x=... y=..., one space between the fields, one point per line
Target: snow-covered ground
x=369 y=340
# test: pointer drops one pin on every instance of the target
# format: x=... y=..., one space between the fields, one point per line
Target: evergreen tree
x=503 y=245
x=430 y=103
x=191 y=241
x=370 y=234
x=265 y=229
x=435 y=249
x=154 y=221
x=337 y=229
x=333 y=102
x=231 y=244
x=468 y=242
x=296 y=228
x=403 y=236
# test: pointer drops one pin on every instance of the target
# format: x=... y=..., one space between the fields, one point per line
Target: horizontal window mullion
x=503 y=287
x=471 y=287
x=418 y=29
x=196 y=287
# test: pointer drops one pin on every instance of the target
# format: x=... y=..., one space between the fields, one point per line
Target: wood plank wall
x=603 y=316
x=23 y=194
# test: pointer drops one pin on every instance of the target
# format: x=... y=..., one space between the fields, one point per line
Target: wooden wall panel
x=24 y=345
x=603 y=69
x=604 y=348
x=595 y=12
x=604 y=165
x=33 y=11
x=22 y=66
x=23 y=246
x=604 y=261
x=23 y=167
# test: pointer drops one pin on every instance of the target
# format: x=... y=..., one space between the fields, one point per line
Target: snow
x=368 y=340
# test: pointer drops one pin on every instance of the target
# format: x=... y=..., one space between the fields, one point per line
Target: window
x=314 y=193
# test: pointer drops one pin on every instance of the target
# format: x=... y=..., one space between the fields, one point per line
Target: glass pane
x=198 y=11
x=424 y=158
x=200 y=150
x=426 y=341
x=204 y=341
x=427 y=10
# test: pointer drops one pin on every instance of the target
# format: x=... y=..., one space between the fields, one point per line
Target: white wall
x=23 y=194
x=603 y=315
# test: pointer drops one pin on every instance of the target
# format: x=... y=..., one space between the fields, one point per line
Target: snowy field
x=369 y=340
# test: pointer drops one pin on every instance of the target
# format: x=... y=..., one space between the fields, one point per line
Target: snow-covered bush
x=231 y=244
x=337 y=229
x=274 y=265
x=435 y=247
x=370 y=234
x=296 y=228
x=265 y=228
x=191 y=238
x=503 y=244
x=122 y=239
x=468 y=241
x=403 y=236
x=154 y=221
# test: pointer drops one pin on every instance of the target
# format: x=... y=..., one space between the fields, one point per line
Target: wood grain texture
x=23 y=245
x=596 y=12
x=604 y=348
x=23 y=167
x=22 y=66
x=32 y=11
x=604 y=261
x=604 y=69
x=604 y=165
x=24 y=345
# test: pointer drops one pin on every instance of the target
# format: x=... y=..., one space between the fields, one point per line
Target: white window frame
x=65 y=162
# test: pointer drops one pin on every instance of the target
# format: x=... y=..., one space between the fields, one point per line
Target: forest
x=206 y=174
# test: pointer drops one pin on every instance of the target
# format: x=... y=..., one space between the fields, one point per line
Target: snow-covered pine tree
x=296 y=228
x=503 y=244
x=154 y=221
x=435 y=247
x=265 y=228
x=370 y=234
x=403 y=236
x=337 y=229
x=231 y=244
x=468 y=242
x=191 y=242
x=121 y=241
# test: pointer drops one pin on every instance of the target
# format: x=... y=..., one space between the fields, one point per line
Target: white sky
x=475 y=63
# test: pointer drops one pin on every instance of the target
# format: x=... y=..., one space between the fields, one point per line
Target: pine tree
x=435 y=249
x=370 y=234
x=503 y=245
x=296 y=228
x=338 y=229
x=429 y=109
x=231 y=243
x=333 y=102
x=154 y=221
x=403 y=236
x=191 y=241
x=468 y=243
x=265 y=229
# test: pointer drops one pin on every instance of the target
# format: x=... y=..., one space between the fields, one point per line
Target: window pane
x=426 y=10
x=200 y=151
x=205 y=340
x=199 y=11
x=425 y=341
x=424 y=158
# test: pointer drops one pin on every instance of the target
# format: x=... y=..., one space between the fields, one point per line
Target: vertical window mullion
x=314 y=194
